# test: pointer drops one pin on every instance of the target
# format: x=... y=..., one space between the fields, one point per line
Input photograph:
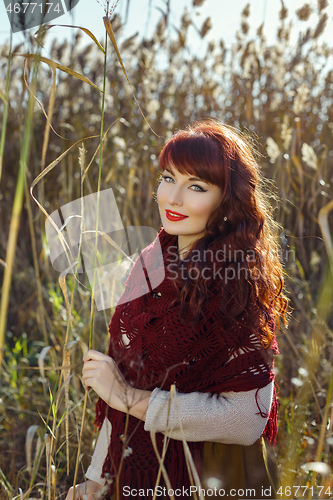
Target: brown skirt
x=237 y=472
x=240 y=471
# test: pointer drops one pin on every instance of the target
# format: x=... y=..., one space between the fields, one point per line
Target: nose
x=175 y=197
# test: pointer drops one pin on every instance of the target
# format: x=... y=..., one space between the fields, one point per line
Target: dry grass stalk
x=275 y=105
x=40 y=309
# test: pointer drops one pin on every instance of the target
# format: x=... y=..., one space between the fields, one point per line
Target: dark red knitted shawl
x=162 y=350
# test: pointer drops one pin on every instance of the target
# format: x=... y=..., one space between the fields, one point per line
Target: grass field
x=84 y=120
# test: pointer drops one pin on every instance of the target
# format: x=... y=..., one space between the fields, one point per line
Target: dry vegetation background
x=283 y=94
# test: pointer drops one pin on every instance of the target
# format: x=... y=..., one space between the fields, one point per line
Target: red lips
x=174 y=216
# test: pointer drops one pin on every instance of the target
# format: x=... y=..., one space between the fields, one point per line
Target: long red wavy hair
x=221 y=155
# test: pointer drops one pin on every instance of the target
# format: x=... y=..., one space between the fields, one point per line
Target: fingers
x=91 y=365
x=105 y=367
x=93 y=369
x=91 y=377
x=88 y=490
x=95 y=355
x=78 y=493
x=86 y=377
x=101 y=373
x=98 y=369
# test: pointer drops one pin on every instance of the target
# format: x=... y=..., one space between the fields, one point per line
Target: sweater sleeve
x=230 y=417
x=94 y=470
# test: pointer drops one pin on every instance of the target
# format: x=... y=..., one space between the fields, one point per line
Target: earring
x=225 y=218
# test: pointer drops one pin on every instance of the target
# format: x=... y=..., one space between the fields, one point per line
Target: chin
x=169 y=230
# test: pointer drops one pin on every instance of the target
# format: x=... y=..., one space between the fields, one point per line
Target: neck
x=184 y=244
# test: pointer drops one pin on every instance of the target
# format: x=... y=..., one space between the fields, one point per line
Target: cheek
x=159 y=193
x=214 y=202
x=203 y=209
x=217 y=203
x=162 y=196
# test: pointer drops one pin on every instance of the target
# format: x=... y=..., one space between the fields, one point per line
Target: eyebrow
x=190 y=179
x=195 y=179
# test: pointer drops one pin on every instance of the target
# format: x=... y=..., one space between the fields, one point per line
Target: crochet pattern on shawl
x=154 y=348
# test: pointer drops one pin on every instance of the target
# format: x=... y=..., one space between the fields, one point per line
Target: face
x=190 y=197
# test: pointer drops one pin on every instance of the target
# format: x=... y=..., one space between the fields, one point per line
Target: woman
x=191 y=358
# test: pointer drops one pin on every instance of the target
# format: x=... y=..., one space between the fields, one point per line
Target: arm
x=93 y=484
x=233 y=416
x=94 y=470
x=230 y=418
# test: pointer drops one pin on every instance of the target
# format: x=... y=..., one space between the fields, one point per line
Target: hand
x=101 y=373
x=89 y=491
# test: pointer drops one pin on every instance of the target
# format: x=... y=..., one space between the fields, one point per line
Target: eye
x=195 y=187
x=199 y=187
x=167 y=177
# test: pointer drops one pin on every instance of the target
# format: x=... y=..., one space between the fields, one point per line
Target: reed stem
x=6 y=104
x=96 y=239
x=16 y=211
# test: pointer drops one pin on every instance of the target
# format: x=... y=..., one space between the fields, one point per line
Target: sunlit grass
x=94 y=135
